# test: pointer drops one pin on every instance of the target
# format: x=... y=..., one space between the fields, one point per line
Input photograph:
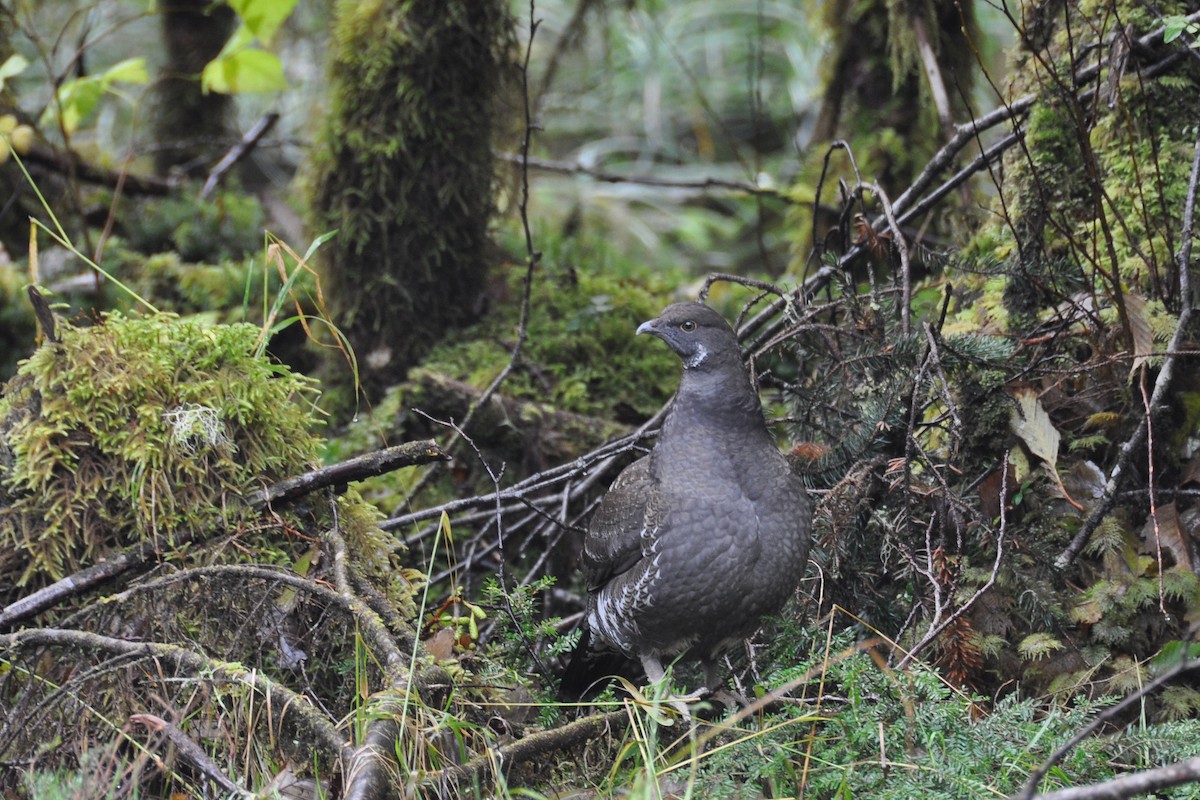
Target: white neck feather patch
x=697 y=358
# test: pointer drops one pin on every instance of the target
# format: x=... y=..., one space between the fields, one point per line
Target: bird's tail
x=591 y=668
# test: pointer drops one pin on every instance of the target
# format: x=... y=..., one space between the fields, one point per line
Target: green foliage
x=242 y=65
x=521 y=625
x=140 y=427
x=581 y=353
x=1176 y=25
x=230 y=226
x=902 y=735
x=77 y=98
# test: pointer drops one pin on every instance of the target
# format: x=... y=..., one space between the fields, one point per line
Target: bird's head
x=699 y=336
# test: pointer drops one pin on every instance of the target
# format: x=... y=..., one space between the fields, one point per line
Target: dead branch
x=82 y=581
x=1103 y=718
x=358 y=468
x=1145 y=782
x=239 y=151
x=395 y=660
x=372 y=771
x=191 y=751
x=285 y=708
x=72 y=164
x=535 y=746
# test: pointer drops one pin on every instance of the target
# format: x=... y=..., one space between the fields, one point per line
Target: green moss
x=581 y=354
x=140 y=427
x=1095 y=194
x=403 y=171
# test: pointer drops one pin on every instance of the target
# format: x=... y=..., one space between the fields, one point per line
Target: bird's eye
x=687 y=326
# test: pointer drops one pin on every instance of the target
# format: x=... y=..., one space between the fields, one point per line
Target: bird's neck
x=715 y=402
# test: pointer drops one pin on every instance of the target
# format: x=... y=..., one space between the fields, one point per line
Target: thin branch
x=191 y=751
x=238 y=152
x=310 y=730
x=532 y=747
x=1108 y=715
x=1162 y=384
x=1145 y=782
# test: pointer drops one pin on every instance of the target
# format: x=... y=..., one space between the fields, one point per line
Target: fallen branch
x=535 y=746
x=83 y=580
x=1144 y=782
x=366 y=466
x=309 y=730
x=1101 y=719
x=359 y=468
x=192 y=752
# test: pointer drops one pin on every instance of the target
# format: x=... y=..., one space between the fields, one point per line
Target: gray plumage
x=697 y=541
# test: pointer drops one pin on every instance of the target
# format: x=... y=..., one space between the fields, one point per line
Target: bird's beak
x=647 y=326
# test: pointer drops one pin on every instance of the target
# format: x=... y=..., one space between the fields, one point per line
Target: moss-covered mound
x=139 y=427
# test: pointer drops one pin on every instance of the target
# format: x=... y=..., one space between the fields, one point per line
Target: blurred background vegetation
x=451 y=216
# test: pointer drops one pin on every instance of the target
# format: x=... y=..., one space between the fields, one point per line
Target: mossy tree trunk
x=404 y=172
x=187 y=122
x=897 y=77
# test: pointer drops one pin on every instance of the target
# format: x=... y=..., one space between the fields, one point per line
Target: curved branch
x=312 y=730
x=537 y=745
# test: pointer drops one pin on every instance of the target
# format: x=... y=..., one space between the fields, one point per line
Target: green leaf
x=77 y=99
x=1173 y=28
x=243 y=72
x=131 y=70
x=263 y=17
x=14 y=65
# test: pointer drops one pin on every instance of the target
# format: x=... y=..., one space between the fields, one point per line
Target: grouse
x=697 y=541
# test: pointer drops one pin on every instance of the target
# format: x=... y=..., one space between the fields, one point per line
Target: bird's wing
x=616 y=537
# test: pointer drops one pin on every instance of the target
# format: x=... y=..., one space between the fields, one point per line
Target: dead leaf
x=1139 y=326
x=1032 y=424
x=1170 y=536
x=441 y=645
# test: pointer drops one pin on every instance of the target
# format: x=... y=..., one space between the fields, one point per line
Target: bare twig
x=239 y=151
x=901 y=248
x=1145 y=782
x=937 y=628
x=191 y=751
x=1162 y=384
x=534 y=746
x=310 y=730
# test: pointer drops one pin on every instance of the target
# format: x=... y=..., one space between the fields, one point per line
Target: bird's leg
x=654 y=669
x=714 y=684
x=657 y=676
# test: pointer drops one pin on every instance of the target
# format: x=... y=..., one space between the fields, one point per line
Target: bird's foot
x=729 y=699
